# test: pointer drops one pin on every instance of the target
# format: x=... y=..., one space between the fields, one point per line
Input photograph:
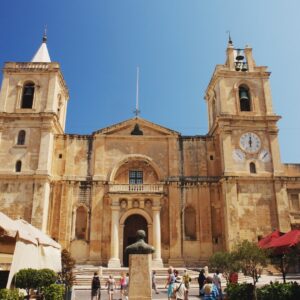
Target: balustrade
x=136 y=188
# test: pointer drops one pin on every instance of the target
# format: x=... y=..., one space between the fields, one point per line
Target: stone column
x=157 y=261
x=114 y=261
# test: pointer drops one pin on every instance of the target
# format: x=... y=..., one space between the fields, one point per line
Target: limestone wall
x=16 y=198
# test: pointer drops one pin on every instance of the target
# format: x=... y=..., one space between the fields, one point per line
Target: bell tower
x=240 y=113
x=244 y=129
x=33 y=105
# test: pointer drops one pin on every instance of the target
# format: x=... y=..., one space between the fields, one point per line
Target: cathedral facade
x=193 y=195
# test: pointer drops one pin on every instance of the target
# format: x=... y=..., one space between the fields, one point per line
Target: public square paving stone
x=86 y=295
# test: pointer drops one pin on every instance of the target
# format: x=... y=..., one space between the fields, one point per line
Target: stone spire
x=42 y=55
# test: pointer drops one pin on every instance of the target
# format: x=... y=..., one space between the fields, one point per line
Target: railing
x=136 y=188
x=33 y=66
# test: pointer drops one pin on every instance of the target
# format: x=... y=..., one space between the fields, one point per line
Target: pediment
x=137 y=126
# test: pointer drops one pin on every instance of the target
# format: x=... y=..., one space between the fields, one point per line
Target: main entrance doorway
x=132 y=224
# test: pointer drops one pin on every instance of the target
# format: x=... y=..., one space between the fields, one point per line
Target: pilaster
x=175 y=214
x=231 y=213
x=40 y=205
x=46 y=152
x=282 y=202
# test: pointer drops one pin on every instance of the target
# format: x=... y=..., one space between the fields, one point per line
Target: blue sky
x=176 y=45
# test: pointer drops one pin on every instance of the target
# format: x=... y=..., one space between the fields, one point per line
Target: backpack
x=207 y=288
x=96 y=283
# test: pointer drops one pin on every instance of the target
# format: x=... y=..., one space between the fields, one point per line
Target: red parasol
x=289 y=239
x=265 y=242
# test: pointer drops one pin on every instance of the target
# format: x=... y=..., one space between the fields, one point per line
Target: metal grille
x=135 y=177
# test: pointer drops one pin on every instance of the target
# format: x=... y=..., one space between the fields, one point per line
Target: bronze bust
x=140 y=246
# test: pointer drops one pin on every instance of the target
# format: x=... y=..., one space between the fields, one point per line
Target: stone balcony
x=136 y=188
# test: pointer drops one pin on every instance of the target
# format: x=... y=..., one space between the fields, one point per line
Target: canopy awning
x=265 y=242
x=289 y=239
x=13 y=228
x=32 y=248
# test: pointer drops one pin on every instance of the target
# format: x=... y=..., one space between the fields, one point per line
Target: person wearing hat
x=179 y=289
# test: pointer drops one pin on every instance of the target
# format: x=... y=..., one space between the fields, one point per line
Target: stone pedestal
x=140 y=287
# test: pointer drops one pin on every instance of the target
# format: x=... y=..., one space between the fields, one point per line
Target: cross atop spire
x=230 y=43
x=45 y=34
x=42 y=55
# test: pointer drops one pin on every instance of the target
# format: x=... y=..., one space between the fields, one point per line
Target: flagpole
x=137 y=111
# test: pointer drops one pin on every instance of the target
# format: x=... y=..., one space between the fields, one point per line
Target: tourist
x=217 y=283
x=201 y=281
x=154 y=282
x=176 y=273
x=210 y=290
x=233 y=277
x=111 y=286
x=186 y=280
x=96 y=287
x=179 y=289
x=123 y=285
x=170 y=283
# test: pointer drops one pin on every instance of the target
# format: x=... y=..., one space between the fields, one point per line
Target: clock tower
x=244 y=128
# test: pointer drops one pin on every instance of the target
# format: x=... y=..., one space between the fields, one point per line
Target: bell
x=28 y=91
x=239 y=55
x=244 y=95
x=245 y=67
x=238 y=66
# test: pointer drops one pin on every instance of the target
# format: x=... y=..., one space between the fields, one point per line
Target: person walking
x=210 y=290
x=201 y=281
x=186 y=280
x=179 y=289
x=111 y=286
x=217 y=282
x=96 y=287
x=123 y=285
x=154 y=282
x=170 y=283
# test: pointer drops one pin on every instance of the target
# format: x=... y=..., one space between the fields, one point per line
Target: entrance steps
x=84 y=274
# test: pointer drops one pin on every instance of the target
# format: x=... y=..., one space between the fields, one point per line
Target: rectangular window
x=295 y=202
x=135 y=177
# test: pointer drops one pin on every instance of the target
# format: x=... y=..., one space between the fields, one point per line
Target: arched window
x=252 y=168
x=27 y=95
x=81 y=223
x=190 y=223
x=245 y=100
x=21 y=137
x=18 y=166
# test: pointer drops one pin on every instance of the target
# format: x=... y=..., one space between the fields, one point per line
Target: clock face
x=238 y=155
x=264 y=155
x=250 y=142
